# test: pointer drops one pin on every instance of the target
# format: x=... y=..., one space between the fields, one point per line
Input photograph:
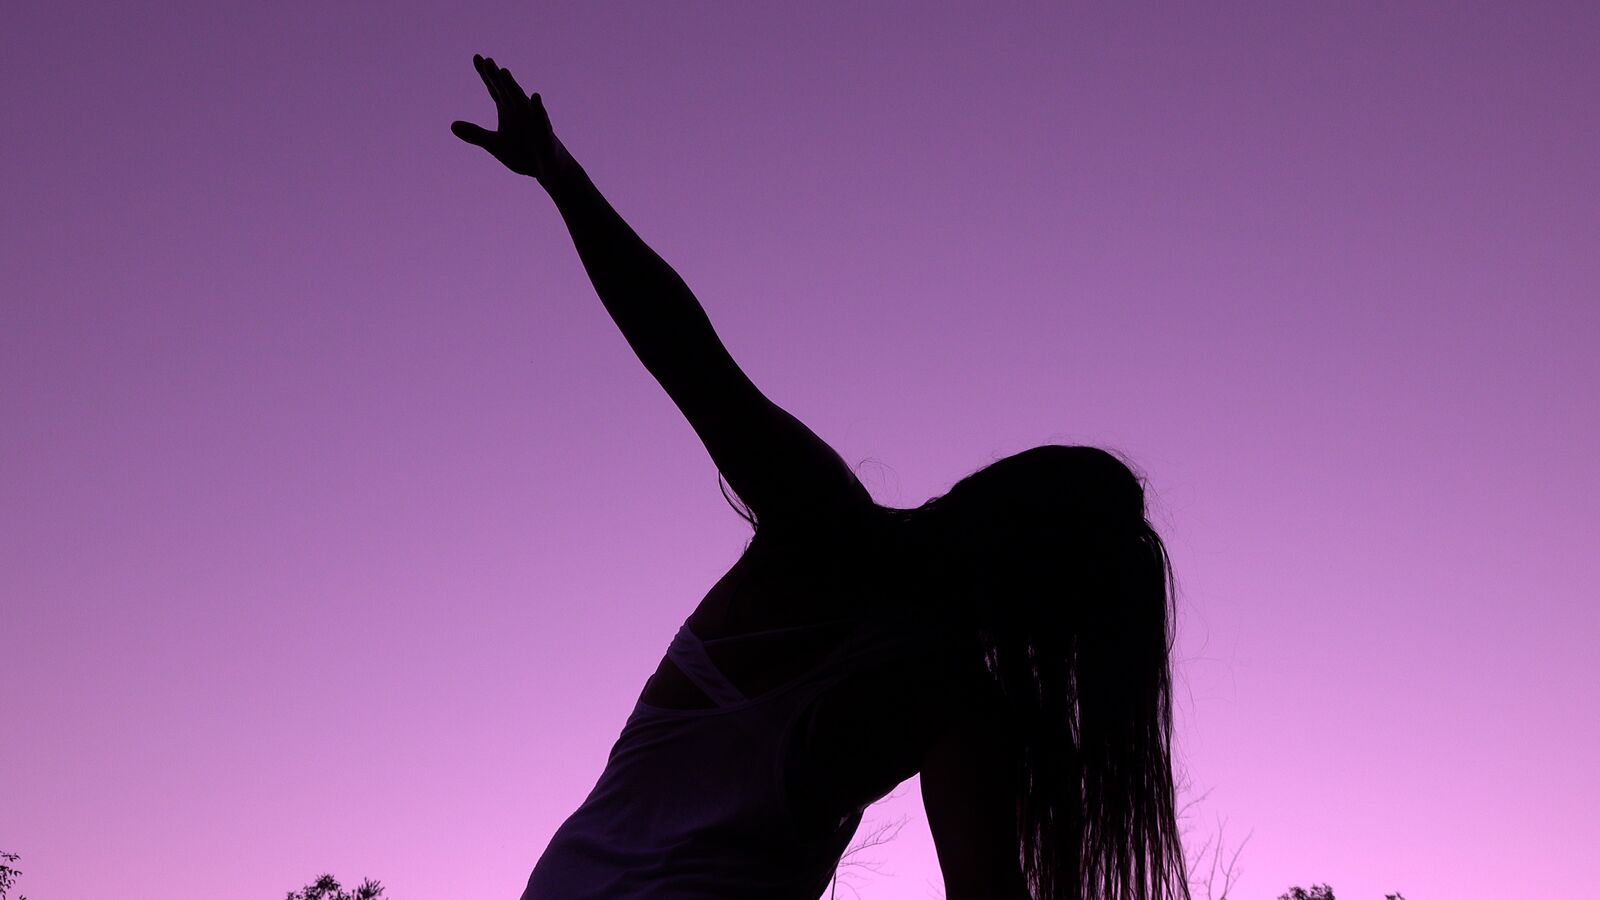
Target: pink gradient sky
x=341 y=529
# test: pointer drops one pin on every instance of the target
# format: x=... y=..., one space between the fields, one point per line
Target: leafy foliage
x=1316 y=892
x=8 y=875
x=327 y=888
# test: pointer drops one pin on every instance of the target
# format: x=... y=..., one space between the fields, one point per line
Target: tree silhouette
x=1316 y=892
x=327 y=888
x=1324 y=892
x=1213 y=870
x=879 y=834
x=8 y=875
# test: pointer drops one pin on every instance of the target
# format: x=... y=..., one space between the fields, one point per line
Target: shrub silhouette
x=1317 y=892
x=327 y=887
x=8 y=875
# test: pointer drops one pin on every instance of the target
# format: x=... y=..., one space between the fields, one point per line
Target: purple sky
x=341 y=529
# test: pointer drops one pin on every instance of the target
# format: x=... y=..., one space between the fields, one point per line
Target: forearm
x=777 y=465
x=657 y=313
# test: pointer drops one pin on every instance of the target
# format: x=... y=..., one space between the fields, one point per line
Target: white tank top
x=692 y=803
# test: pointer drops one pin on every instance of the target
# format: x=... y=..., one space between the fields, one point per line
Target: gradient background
x=341 y=529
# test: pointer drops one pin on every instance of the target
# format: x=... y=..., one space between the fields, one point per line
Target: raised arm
x=778 y=467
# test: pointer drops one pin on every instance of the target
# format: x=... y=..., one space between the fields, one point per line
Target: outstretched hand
x=522 y=139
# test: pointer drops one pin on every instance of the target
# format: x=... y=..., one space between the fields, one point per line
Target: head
x=1053 y=562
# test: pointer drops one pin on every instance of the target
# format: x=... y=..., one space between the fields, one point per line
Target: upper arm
x=967 y=794
x=779 y=468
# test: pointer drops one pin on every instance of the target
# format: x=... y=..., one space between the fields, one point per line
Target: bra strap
x=689 y=655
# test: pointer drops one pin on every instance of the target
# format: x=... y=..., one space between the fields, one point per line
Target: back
x=720 y=800
x=693 y=803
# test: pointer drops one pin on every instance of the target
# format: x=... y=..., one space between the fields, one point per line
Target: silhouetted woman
x=1008 y=640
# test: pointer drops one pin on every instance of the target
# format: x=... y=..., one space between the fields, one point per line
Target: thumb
x=472 y=134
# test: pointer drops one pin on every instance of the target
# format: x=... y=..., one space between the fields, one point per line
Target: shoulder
x=846 y=530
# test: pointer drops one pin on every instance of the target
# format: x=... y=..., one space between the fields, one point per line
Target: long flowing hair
x=1072 y=597
x=1072 y=594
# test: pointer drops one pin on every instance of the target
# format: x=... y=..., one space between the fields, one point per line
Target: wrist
x=561 y=168
x=562 y=180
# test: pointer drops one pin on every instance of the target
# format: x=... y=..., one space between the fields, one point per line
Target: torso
x=867 y=732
